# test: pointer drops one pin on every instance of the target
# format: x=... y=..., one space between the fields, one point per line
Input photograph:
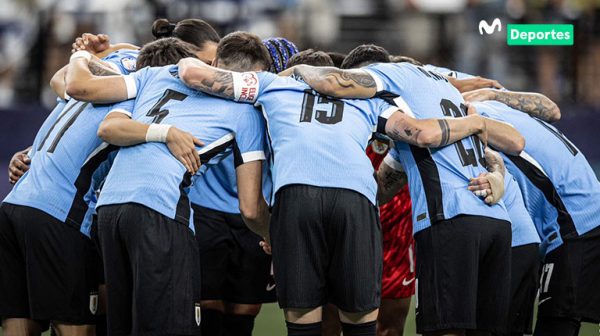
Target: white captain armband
x=245 y=86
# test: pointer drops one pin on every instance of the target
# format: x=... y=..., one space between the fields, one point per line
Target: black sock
x=212 y=322
x=101 y=325
x=363 y=329
x=238 y=325
x=553 y=326
x=308 y=329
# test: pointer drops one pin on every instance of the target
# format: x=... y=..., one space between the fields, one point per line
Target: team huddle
x=177 y=187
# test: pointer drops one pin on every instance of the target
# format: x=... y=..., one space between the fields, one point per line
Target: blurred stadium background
x=36 y=37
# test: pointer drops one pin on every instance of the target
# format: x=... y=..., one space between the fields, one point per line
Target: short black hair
x=164 y=51
x=364 y=55
x=337 y=58
x=242 y=51
x=310 y=57
x=194 y=31
x=402 y=59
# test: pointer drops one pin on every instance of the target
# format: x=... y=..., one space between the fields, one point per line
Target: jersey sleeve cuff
x=402 y=105
x=378 y=82
x=253 y=156
x=131 y=86
x=393 y=163
x=122 y=111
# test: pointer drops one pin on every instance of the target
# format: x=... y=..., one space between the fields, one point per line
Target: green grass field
x=270 y=323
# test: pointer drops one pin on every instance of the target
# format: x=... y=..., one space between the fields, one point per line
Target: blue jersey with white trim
x=66 y=157
x=438 y=177
x=317 y=140
x=217 y=188
x=147 y=173
x=560 y=188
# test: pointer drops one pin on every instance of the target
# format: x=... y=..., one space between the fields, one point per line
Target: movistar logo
x=489 y=29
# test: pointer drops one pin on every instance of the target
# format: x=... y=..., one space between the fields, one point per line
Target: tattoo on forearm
x=403 y=131
x=534 y=104
x=445 y=132
x=219 y=84
x=99 y=69
x=342 y=78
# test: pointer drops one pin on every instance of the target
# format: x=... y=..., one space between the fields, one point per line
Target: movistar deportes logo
x=489 y=29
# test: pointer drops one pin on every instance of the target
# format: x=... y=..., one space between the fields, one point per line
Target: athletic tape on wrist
x=82 y=54
x=157 y=133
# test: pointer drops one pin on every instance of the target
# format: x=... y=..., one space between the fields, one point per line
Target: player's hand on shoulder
x=19 y=164
x=92 y=43
x=470 y=84
x=183 y=147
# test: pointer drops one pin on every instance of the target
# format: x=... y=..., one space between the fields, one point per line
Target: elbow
x=249 y=212
x=75 y=91
x=515 y=145
x=554 y=113
x=105 y=131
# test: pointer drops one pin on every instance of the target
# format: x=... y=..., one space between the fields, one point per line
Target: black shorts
x=570 y=278
x=463 y=275
x=327 y=247
x=152 y=272
x=47 y=268
x=524 y=282
x=234 y=266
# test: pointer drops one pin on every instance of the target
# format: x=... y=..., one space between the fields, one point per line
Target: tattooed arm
x=534 y=104
x=92 y=81
x=96 y=66
x=336 y=82
x=390 y=179
x=208 y=79
x=433 y=132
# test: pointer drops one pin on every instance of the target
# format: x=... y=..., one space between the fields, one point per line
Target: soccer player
x=44 y=227
x=145 y=229
x=325 y=235
x=236 y=273
x=455 y=233
x=562 y=195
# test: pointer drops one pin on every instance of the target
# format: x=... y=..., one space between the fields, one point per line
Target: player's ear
x=215 y=62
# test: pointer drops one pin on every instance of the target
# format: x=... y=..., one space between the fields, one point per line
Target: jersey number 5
x=156 y=110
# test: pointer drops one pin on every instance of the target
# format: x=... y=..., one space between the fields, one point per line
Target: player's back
x=66 y=157
x=317 y=140
x=438 y=177
x=147 y=173
x=559 y=186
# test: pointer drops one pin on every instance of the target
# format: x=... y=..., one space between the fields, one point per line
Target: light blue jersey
x=216 y=189
x=147 y=173
x=123 y=60
x=50 y=120
x=438 y=177
x=560 y=189
x=522 y=226
x=59 y=180
x=315 y=140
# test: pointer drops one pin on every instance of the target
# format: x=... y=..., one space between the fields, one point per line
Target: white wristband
x=157 y=133
x=81 y=53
